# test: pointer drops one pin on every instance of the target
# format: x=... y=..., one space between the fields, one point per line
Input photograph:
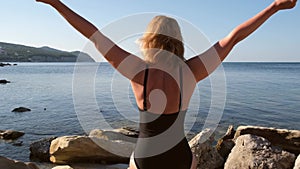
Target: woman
x=163 y=81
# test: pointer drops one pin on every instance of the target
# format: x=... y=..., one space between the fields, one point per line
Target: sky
x=34 y=24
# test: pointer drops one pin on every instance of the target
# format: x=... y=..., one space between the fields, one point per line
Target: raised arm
x=204 y=64
x=126 y=63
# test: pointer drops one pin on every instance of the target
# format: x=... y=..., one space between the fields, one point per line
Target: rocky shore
x=250 y=147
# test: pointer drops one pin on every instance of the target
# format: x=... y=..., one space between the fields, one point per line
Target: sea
x=74 y=98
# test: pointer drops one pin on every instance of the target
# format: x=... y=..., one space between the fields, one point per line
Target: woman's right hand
x=285 y=4
x=50 y=2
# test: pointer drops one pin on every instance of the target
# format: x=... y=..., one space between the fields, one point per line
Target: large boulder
x=6 y=163
x=288 y=140
x=10 y=134
x=206 y=155
x=297 y=163
x=254 y=152
x=71 y=149
x=39 y=150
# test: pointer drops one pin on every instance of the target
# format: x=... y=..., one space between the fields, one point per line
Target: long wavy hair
x=162 y=41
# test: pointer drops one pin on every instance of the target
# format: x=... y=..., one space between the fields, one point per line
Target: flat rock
x=6 y=163
x=91 y=166
x=39 y=150
x=116 y=134
x=128 y=131
x=288 y=140
x=81 y=166
x=21 y=109
x=10 y=134
x=84 y=149
x=63 y=167
x=206 y=155
x=255 y=152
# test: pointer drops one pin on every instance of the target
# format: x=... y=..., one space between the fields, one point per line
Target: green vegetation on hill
x=20 y=53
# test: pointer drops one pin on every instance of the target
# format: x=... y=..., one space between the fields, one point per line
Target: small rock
x=3 y=81
x=39 y=150
x=206 y=155
x=6 y=163
x=297 y=163
x=230 y=133
x=4 y=64
x=10 y=134
x=19 y=143
x=21 y=109
x=226 y=143
x=254 y=152
x=62 y=167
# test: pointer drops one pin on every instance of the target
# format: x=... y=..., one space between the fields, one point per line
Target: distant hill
x=20 y=53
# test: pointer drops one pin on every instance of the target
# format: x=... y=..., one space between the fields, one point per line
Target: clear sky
x=34 y=24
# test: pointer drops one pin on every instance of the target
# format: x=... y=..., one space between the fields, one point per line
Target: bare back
x=163 y=90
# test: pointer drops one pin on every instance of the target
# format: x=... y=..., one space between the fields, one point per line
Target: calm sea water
x=265 y=94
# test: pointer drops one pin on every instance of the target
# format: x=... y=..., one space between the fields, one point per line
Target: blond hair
x=162 y=41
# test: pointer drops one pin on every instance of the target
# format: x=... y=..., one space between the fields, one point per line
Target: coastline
x=269 y=146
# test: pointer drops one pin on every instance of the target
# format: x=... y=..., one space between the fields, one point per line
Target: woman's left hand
x=285 y=4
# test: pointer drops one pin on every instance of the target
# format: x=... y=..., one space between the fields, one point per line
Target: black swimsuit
x=162 y=143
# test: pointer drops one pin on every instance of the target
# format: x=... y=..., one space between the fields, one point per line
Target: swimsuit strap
x=145 y=88
x=180 y=89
